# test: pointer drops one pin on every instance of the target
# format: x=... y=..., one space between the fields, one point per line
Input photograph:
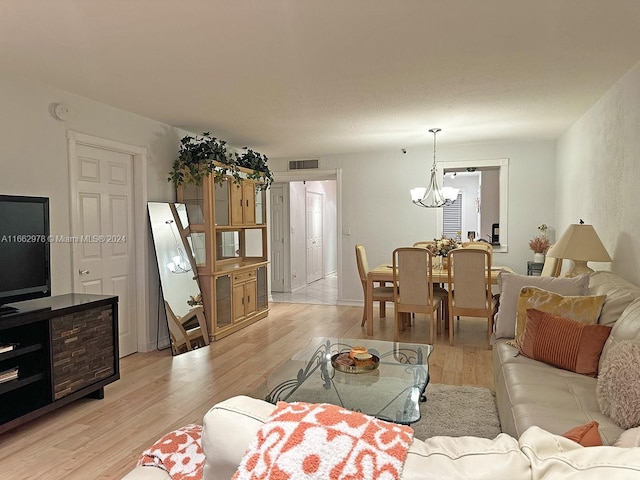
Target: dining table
x=384 y=273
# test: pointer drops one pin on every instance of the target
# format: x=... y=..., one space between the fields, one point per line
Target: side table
x=534 y=268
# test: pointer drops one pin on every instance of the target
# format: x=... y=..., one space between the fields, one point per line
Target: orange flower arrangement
x=539 y=244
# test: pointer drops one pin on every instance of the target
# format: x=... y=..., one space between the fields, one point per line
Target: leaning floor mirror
x=182 y=298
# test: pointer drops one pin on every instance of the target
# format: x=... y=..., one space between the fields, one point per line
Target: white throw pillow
x=629 y=438
x=509 y=285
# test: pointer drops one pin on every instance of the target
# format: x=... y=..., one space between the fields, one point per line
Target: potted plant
x=539 y=245
x=256 y=162
x=205 y=155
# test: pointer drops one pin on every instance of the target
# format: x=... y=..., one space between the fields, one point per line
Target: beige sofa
x=529 y=392
x=230 y=426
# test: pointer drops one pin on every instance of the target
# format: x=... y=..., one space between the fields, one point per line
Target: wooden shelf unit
x=65 y=348
x=228 y=231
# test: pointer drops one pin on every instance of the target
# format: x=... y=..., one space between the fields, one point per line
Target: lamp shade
x=581 y=244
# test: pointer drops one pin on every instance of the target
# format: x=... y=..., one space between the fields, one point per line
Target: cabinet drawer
x=244 y=276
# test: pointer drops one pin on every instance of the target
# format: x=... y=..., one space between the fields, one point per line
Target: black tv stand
x=6 y=309
x=63 y=348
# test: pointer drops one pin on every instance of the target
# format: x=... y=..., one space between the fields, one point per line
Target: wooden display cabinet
x=228 y=233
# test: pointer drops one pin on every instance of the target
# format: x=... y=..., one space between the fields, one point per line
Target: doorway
x=304 y=241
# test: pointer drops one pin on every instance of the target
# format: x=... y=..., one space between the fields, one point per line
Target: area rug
x=457 y=411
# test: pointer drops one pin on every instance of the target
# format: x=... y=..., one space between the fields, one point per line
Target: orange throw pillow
x=563 y=343
x=586 y=435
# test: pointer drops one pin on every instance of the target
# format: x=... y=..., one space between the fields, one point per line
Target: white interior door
x=278 y=230
x=104 y=255
x=314 y=236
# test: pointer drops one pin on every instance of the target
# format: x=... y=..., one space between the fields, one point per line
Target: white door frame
x=141 y=227
x=311 y=175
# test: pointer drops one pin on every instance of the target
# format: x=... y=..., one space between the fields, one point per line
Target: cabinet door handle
x=247 y=202
x=83 y=272
x=249 y=299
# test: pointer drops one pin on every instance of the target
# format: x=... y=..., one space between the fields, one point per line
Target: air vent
x=303 y=164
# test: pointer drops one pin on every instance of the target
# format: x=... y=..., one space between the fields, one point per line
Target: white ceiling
x=303 y=78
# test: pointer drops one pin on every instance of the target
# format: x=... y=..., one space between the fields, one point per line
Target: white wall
x=598 y=174
x=34 y=160
x=376 y=204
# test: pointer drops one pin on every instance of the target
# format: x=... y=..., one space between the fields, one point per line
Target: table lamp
x=581 y=244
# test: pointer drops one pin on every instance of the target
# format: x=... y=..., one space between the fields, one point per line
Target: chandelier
x=433 y=196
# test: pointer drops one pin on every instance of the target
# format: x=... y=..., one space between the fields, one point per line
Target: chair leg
x=383 y=310
x=364 y=317
x=432 y=326
x=396 y=328
x=450 y=326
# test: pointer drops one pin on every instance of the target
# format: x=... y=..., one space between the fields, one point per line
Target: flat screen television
x=24 y=249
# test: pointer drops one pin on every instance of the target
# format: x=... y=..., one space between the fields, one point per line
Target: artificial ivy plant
x=205 y=155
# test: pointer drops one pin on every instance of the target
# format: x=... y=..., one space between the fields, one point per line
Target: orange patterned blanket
x=179 y=453
x=322 y=441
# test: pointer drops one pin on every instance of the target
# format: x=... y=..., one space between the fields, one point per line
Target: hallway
x=321 y=292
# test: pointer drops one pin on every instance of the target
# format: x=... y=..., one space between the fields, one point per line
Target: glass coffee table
x=392 y=391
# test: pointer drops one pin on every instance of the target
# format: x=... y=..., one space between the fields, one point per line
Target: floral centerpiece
x=443 y=246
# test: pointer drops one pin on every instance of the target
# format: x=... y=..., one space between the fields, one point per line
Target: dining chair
x=413 y=290
x=480 y=245
x=184 y=336
x=381 y=293
x=424 y=243
x=439 y=289
x=469 y=281
x=552 y=267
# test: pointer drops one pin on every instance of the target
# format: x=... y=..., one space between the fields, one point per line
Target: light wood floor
x=101 y=439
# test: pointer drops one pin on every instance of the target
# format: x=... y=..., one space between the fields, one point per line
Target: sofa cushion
x=618 y=291
x=529 y=392
x=586 y=435
x=227 y=429
x=618 y=387
x=563 y=342
x=555 y=457
x=447 y=458
x=629 y=438
x=510 y=284
x=583 y=308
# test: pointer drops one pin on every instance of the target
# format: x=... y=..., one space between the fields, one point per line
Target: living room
x=586 y=170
